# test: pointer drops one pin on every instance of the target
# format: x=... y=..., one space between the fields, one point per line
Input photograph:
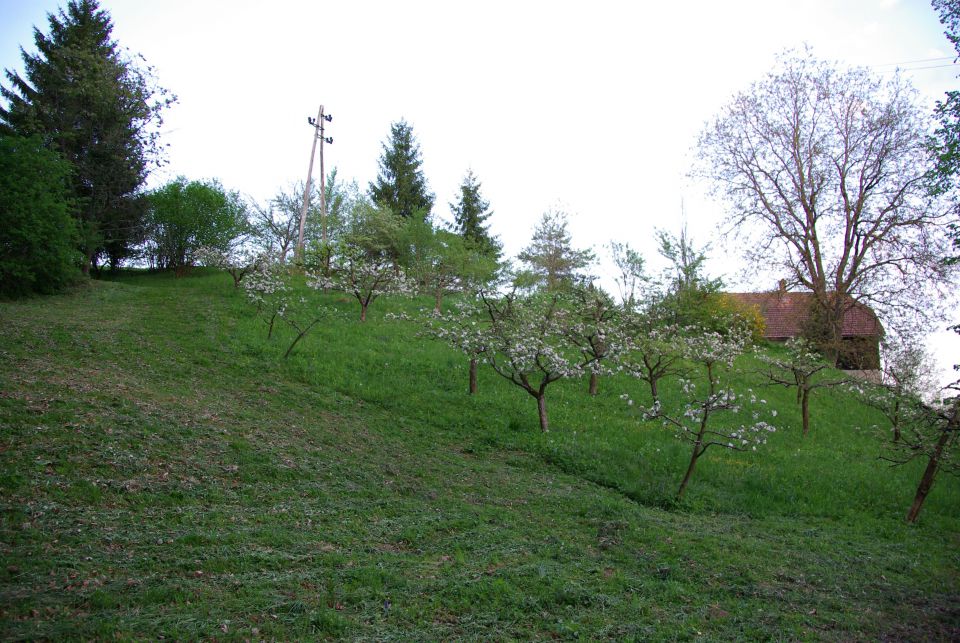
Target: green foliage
x=376 y=230
x=552 y=262
x=37 y=233
x=946 y=141
x=443 y=262
x=338 y=196
x=400 y=185
x=101 y=112
x=689 y=297
x=470 y=212
x=185 y=216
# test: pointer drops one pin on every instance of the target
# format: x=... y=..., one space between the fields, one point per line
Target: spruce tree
x=400 y=184
x=100 y=112
x=469 y=214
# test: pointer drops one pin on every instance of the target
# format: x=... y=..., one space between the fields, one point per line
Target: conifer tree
x=470 y=213
x=400 y=184
x=100 y=112
x=552 y=261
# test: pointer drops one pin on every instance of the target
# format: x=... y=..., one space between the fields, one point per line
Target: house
x=786 y=314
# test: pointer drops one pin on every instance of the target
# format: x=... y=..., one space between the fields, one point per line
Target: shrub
x=37 y=233
x=186 y=216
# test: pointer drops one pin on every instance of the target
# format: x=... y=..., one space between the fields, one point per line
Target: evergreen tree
x=552 y=261
x=400 y=184
x=100 y=112
x=469 y=214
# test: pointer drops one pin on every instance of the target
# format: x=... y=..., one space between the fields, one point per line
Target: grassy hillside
x=164 y=472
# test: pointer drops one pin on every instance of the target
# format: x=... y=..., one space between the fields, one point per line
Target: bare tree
x=825 y=173
x=276 y=223
x=632 y=269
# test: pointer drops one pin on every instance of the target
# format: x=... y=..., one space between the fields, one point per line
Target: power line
x=928 y=67
x=911 y=62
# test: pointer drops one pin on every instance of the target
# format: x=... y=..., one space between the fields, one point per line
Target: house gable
x=786 y=314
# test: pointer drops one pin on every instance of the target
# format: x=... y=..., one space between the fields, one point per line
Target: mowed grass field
x=164 y=472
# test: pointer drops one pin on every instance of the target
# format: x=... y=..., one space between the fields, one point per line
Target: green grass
x=164 y=472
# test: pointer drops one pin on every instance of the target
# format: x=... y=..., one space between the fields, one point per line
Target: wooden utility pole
x=323 y=183
x=317 y=136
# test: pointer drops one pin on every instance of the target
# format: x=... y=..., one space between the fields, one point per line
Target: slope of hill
x=164 y=472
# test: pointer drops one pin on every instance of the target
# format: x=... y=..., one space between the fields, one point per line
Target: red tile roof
x=786 y=312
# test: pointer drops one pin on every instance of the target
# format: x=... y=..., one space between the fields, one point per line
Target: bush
x=733 y=311
x=37 y=233
x=186 y=216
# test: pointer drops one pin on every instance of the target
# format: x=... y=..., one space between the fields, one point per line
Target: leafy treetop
x=401 y=185
x=100 y=111
x=470 y=213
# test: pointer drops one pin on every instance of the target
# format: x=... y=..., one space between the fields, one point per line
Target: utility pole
x=317 y=124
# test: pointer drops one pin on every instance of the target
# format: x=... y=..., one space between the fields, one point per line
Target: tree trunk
x=270 y=331
x=805 y=411
x=693 y=465
x=653 y=388
x=90 y=263
x=473 y=376
x=542 y=409
x=594 y=380
x=363 y=312
x=299 y=337
x=930 y=473
x=696 y=453
x=437 y=300
x=896 y=421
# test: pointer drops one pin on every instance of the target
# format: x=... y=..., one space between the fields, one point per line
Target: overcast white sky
x=592 y=107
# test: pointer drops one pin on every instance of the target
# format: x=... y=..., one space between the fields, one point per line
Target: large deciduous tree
x=101 y=112
x=401 y=185
x=825 y=170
